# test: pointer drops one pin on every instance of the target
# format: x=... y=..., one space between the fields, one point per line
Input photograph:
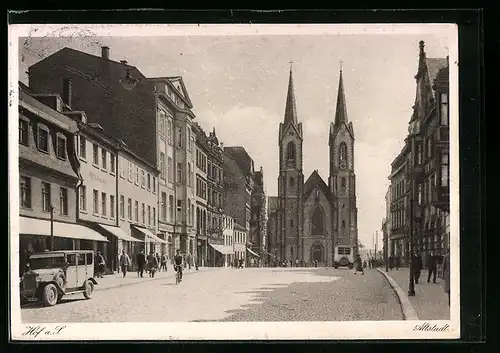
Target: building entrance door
x=317 y=253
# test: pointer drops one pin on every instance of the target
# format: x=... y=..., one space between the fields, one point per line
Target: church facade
x=313 y=216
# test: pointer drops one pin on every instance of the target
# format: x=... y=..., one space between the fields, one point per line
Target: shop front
x=119 y=240
x=218 y=254
x=151 y=242
x=253 y=259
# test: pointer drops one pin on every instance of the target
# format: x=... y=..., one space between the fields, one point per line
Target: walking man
x=124 y=262
x=432 y=267
x=359 y=265
x=141 y=263
x=417 y=266
x=163 y=262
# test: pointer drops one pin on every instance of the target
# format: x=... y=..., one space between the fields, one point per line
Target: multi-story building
x=202 y=152
x=49 y=175
x=258 y=216
x=238 y=187
x=228 y=234
x=425 y=157
x=176 y=161
x=240 y=241
x=272 y=230
x=152 y=116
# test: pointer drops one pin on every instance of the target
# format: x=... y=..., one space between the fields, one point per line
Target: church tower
x=342 y=180
x=290 y=181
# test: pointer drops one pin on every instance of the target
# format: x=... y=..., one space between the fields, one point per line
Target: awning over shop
x=224 y=250
x=252 y=252
x=148 y=234
x=118 y=232
x=34 y=226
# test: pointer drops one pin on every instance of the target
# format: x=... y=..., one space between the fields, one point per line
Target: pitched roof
x=314 y=181
x=291 y=105
x=341 y=108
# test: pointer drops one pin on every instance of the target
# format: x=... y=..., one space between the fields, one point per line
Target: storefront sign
x=97 y=178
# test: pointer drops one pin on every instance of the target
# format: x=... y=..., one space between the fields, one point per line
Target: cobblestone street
x=251 y=294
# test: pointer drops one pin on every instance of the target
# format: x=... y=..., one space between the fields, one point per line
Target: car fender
x=92 y=280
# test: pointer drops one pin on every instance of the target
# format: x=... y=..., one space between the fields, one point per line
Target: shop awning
x=118 y=232
x=148 y=234
x=224 y=250
x=252 y=252
x=34 y=226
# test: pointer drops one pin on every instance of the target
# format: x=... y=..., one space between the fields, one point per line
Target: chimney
x=67 y=92
x=124 y=62
x=105 y=53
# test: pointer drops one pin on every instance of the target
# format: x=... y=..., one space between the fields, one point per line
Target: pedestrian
x=431 y=267
x=163 y=262
x=100 y=264
x=152 y=264
x=141 y=263
x=359 y=265
x=124 y=262
x=398 y=262
x=157 y=259
x=416 y=266
x=446 y=274
x=188 y=260
x=364 y=264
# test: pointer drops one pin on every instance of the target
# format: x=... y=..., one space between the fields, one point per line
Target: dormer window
x=43 y=138
x=61 y=147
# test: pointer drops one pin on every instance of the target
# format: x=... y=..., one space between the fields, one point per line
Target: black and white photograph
x=212 y=182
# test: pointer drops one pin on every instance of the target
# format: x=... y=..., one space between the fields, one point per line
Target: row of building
x=418 y=198
x=112 y=160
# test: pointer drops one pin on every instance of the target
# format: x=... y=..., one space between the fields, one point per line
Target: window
x=429 y=146
x=189 y=211
x=112 y=163
x=419 y=154
x=122 y=206
x=343 y=224
x=161 y=122
x=136 y=211
x=129 y=171
x=171 y=207
x=112 y=206
x=154 y=217
x=143 y=213
x=162 y=165
x=190 y=175
x=154 y=185
x=83 y=147
x=129 y=206
x=149 y=181
x=136 y=175
x=104 y=157
x=190 y=145
x=121 y=167
x=192 y=214
x=343 y=152
x=290 y=151
x=95 y=201
x=420 y=193
x=209 y=173
x=179 y=137
x=445 y=170
x=23 y=131
x=444 y=109
x=143 y=178
x=179 y=209
x=169 y=130
x=61 y=147
x=179 y=173
x=25 y=192
x=343 y=183
x=43 y=139
x=46 y=203
x=149 y=215
x=83 y=197
x=95 y=155
x=170 y=170
x=103 y=203
x=318 y=217
x=163 y=206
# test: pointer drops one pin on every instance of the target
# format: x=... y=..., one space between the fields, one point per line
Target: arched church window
x=343 y=152
x=318 y=217
x=290 y=151
x=292 y=181
x=343 y=182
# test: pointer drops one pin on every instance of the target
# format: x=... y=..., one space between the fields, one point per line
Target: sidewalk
x=116 y=280
x=430 y=301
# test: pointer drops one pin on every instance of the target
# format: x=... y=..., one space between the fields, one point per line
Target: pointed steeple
x=341 y=110
x=291 y=107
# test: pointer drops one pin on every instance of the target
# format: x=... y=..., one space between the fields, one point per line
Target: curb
x=409 y=312
x=145 y=280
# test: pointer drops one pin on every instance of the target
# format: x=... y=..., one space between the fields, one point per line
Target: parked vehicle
x=54 y=274
x=343 y=256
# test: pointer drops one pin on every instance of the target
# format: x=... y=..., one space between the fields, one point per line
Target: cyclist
x=178 y=262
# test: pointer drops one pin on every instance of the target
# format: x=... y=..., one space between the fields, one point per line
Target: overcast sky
x=238 y=84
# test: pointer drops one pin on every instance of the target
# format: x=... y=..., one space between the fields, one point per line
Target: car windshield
x=46 y=263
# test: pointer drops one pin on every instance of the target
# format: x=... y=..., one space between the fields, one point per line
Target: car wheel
x=50 y=295
x=89 y=289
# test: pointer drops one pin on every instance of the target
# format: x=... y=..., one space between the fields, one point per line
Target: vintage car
x=343 y=256
x=53 y=274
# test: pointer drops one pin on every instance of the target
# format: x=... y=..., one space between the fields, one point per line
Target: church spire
x=341 y=110
x=291 y=107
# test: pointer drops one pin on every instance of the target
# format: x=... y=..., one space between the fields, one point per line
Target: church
x=313 y=216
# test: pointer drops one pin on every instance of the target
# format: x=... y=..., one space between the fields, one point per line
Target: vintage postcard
x=216 y=182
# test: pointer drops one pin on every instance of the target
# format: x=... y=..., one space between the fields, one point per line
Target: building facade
x=272 y=230
x=426 y=155
x=228 y=234
x=49 y=175
x=313 y=217
x=258 y=217
x=240 y=241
